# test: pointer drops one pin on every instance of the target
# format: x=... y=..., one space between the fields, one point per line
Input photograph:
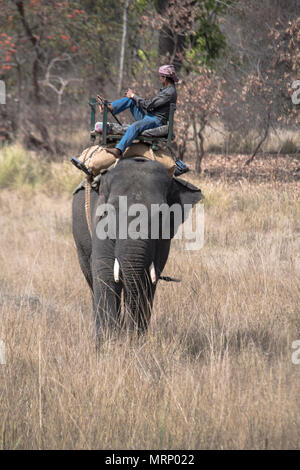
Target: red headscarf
x=169 y=72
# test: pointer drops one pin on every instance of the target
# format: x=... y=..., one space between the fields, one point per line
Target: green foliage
x=63 y=178
x=207 y=44
x=208 y=41
x=142 y=55
x=19 y=168
x=140 y=6
x=22 y=169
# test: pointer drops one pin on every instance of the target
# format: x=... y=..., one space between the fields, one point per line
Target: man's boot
x=115 y=152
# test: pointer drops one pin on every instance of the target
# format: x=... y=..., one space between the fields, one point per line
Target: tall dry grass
x=215 y=369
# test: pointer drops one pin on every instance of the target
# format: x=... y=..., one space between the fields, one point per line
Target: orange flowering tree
x=34 y=33
x=46 y=48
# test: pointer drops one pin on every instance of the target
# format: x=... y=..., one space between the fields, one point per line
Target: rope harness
x=87 y=204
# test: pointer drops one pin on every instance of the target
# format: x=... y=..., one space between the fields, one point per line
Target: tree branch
x=261 y=141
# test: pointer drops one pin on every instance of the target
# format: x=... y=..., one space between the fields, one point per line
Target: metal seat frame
x=109 y=138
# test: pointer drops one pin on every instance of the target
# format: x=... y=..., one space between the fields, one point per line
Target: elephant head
x=129 y=247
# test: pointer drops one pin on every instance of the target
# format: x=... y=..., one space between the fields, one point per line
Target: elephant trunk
x=137 y=271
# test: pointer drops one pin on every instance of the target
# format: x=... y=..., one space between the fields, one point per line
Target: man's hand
x=129 y=93
x=101 y=105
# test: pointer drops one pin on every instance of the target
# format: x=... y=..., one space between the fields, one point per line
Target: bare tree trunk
x=19 y=102
x=182 y=147
x=196 y=143
x=38 y=121
x=169 y=43
x=181 y=150
x=123 y=43
x=200 y=154
x=265 y=135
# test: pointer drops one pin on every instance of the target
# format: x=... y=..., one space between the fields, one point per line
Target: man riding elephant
x=148 y=113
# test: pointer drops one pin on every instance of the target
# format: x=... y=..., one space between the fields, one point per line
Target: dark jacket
x=160 y=105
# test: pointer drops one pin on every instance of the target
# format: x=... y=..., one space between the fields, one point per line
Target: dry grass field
x=215 y=369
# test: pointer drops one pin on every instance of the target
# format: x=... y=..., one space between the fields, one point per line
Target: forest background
x=238 y=62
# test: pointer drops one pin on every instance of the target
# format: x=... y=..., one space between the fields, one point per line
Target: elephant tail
x=169 y=279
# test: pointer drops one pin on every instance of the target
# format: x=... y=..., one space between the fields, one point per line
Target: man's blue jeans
x=143 y=121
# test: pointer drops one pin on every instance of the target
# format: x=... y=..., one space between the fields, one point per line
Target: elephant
x=130 y=266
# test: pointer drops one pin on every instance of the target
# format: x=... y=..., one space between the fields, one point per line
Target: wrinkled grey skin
x=142 y=181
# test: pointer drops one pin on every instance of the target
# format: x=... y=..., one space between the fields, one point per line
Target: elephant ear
x=187 y=195
x=182 y=192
